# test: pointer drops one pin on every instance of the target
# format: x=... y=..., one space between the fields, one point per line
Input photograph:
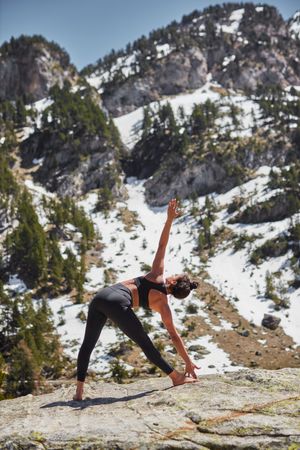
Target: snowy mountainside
x=125 y=254
x=209 y=139
x=130 y=125
x=127 y=249
x=242 y=46
x=294 y=25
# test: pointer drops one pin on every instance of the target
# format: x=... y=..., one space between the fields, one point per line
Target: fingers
x=190 y=373
x=173 y=203
x=173 y=210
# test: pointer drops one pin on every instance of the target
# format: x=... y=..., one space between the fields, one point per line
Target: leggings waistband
x=123 y=290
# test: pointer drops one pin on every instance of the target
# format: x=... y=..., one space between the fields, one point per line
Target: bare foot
x=79 y=391
x=181 y=378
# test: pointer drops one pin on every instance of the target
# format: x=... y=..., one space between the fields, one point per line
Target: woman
x=150 y=291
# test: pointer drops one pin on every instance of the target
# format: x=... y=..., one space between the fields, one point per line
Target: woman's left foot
x=77 y=398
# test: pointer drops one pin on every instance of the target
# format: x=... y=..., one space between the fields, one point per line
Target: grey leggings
x=114 y=302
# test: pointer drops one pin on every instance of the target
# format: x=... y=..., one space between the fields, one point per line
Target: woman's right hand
x=173 y=209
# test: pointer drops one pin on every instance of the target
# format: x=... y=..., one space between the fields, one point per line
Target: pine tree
x=181 y=113
x=21 y=113
x=70 y=270
x=8 y=185
x=26 y=244
x=114 y=133
x=105 y=200
x=20 y=379
x=147 y=122
x=183 y=143
x=197 y=119
x=55 y=264
x=79 y=281
x=167 y=118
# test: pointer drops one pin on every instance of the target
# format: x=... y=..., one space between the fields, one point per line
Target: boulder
x=270 y=321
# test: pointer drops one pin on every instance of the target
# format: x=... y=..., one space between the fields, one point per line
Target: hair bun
x=194 y=285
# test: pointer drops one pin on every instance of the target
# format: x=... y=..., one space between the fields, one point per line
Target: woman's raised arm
x=157 y=268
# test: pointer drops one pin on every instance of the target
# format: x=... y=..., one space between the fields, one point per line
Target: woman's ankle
x=174 y=375
x=80 y=385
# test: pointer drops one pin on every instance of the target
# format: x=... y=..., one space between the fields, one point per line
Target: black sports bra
x=144 y=285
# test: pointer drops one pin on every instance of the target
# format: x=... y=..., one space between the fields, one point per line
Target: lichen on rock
x=255 y=409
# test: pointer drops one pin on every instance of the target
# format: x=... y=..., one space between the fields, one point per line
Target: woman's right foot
x=180 y=378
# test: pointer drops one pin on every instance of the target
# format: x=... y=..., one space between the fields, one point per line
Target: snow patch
x=295 y=26
x=38 y=161
x=163 y=50
x=15 y=284
x=235 y=19
x=228 y=60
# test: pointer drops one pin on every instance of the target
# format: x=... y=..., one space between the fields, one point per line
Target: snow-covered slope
x=240 y=280
x=294 y=25
x=130 y=124
x=127 y=251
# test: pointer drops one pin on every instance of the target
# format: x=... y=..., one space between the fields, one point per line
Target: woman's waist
x=107 y=292
x=120 y=287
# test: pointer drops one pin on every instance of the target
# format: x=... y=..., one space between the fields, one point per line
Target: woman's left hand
x=190 y=369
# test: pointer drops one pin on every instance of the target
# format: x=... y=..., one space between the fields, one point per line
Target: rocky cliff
x=77 y=147
x=250 y=409
x=29 y=66
x=74 y=168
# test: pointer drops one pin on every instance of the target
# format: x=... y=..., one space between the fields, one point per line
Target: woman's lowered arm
x=167 y=319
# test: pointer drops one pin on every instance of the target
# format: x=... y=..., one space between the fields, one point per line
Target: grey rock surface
x=72 y=170
x=31 y=69
x=172 y=75
x=249 y=409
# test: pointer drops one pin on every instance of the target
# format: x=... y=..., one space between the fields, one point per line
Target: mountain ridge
x=228 y=42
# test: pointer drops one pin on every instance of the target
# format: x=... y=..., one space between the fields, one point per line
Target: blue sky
x=88 y=29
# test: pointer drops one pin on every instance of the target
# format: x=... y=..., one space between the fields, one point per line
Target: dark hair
x=183 y=287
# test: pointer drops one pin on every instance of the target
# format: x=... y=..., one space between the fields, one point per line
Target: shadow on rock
x=97 y=401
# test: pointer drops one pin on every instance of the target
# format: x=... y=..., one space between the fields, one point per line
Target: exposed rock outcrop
x=255 y=409
x=174 y=74
x=276 y=208
x=29 y=66
x=183 y=177
x=74 y=168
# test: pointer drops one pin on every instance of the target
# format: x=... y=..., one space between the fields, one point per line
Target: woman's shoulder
x=158 y=279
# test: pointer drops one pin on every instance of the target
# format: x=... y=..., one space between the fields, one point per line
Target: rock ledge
x=249 y=409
